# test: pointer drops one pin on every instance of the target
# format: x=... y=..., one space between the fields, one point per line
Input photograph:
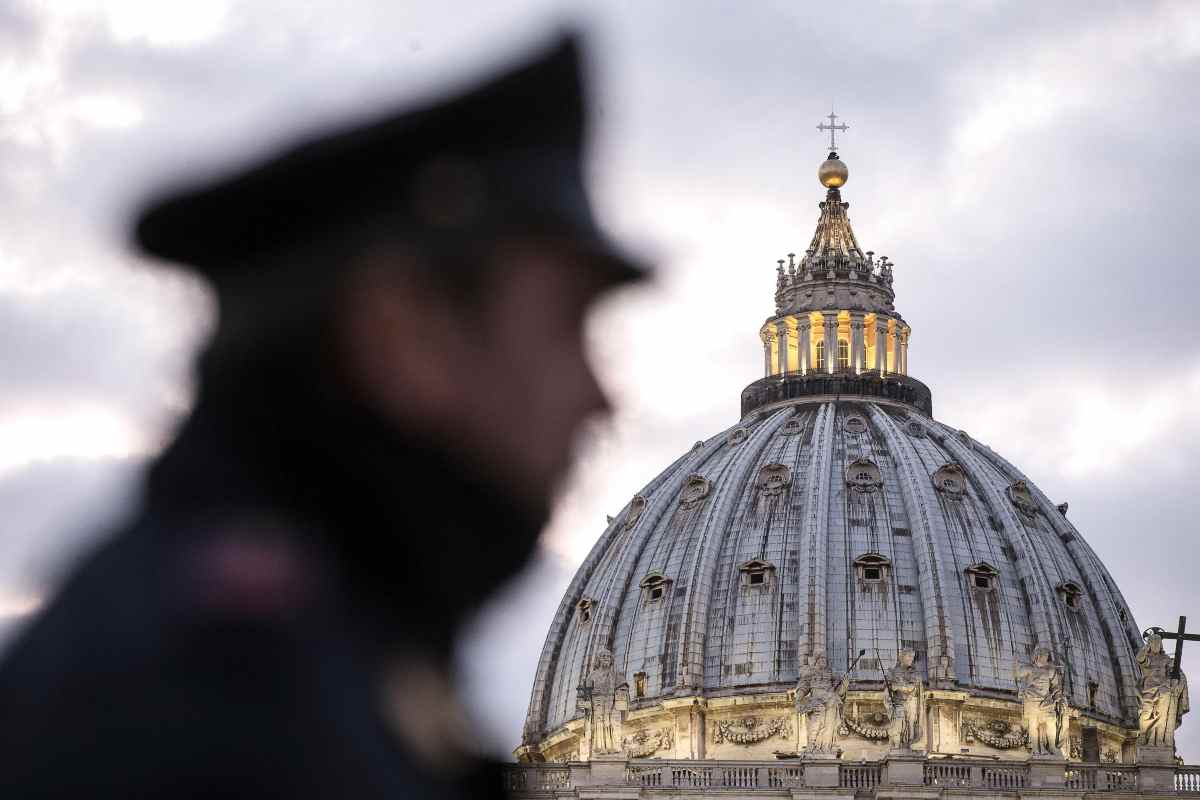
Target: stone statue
x=604 y=697
x=1039 y=685
x=819 y=703
x=1164 y=699
x=905 y=695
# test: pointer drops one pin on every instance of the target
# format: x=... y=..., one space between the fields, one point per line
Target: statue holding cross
x=1163 y=691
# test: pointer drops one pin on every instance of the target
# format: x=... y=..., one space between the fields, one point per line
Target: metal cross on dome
x=832 y=127
x=1180 y=637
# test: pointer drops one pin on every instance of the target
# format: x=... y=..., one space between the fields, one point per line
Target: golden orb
x=833 y=173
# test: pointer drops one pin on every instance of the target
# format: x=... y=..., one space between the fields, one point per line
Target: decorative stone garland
x=996 y=733
x=749 y=730
x=874 y=733
x=646 y=742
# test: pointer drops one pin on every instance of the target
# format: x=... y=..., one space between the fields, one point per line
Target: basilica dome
x=836 y=523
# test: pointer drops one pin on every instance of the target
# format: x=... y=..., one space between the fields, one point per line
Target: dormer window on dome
x=1071 y=594
x=873 y=567
x=757 y=572
x=982 y=576
x=655 y=586
x=636 y=506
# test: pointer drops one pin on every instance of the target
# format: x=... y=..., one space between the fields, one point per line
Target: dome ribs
x=773 y=549
x=1104 y=602
x=1040 y=626
x=557 y=699
x=705 y=558
x=873 y=610
x=811 y=589
x=749 y=654
x=917 y=498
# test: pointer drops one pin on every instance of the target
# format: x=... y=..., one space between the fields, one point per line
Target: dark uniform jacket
x=231 y=641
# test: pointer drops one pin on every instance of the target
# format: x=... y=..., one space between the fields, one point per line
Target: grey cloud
x=50 y=511
x=1067 y=252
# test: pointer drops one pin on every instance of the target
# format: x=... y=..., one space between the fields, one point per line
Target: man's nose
x=597 y=401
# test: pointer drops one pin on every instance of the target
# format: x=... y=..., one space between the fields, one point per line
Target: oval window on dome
x=694 y=490
x=792 y=427
x=774 y=479
x=636 y=506
x=584 y=610
x=915 y=429
x=854 y=424
x=951 y=481
x=738 y=435
x=863 y=476
x=1022 y=498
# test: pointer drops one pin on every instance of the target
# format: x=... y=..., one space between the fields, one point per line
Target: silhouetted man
x=388 y=401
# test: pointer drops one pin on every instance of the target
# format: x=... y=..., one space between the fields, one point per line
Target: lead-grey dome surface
x=873 y=528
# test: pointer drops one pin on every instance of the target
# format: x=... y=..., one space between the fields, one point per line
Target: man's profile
x=383 y=413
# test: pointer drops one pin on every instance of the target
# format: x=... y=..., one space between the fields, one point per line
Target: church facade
x=842 y=595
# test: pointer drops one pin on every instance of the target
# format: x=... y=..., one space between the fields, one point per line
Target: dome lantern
x=836 y=540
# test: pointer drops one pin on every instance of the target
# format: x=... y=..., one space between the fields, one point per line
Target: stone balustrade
x=892 y=777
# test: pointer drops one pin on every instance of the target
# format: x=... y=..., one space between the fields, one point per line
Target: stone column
x=831 y=346
x=781 y=329
x=881 y=338
x=858 y=347
x=805 y=352
x=903 y=368
x=688 y=719
x=944 y=713
x=768 y=337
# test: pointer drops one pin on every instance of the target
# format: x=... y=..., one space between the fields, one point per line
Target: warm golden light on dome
x=833 y=173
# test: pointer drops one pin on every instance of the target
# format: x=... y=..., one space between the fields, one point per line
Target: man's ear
x=402 y=345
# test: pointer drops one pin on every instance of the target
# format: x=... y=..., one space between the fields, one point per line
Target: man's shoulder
x=211 y=644
x=156 y=587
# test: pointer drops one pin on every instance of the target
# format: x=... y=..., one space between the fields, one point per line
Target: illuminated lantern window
x=843 y=354
x=820 y=355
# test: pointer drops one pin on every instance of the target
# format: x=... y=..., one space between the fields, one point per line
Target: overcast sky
x=1030 y=168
